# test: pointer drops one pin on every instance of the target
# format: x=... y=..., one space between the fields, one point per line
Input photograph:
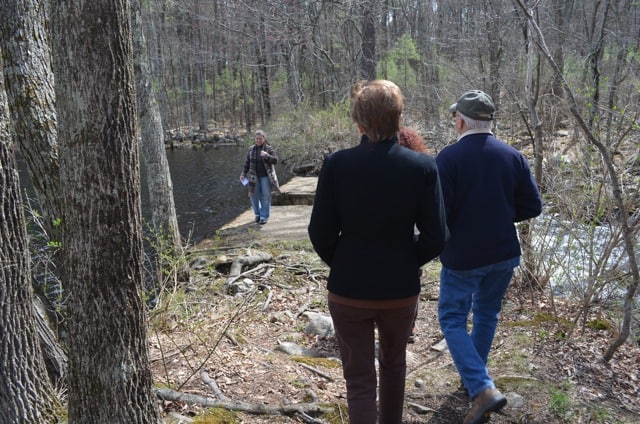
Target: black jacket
x=369 y=200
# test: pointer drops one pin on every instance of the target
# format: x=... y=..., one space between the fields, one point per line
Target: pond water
x=206 y=188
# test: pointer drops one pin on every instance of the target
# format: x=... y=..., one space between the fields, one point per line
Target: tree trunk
x=109 y=376
x=30 y=92
x=263 y=73
x=201 y=53
x=597 y=31
x=27 y=63
x=294 y=87
x=429 y=65
x=368 y=61
x=166 y=235
x=493 y=26
x=26 y=393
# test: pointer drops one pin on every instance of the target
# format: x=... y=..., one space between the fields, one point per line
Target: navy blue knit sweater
x=487 y=186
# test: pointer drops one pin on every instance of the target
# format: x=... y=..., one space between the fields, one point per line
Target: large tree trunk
x=30 y=92
x=109 y=376
x=26 y=393
x=27 y=61
x=163 y=211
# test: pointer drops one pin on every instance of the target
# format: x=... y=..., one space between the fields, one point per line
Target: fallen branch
x=239 y=406
x=240 y=261
x=214 y=386
x=317 y=371
x=233 y=278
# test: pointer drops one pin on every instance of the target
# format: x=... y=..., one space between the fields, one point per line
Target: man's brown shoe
x=489 y=400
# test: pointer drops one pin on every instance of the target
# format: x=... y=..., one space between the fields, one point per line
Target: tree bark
x=109 y=375
x=26 y=49
x=164 y=221
x=30 y=93
x=26 y=393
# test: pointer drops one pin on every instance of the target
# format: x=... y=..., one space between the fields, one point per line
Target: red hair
x=410 y=138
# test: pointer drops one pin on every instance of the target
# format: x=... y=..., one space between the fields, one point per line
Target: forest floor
x=550 y=369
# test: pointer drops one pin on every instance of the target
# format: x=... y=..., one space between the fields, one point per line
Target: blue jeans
x=261 y=199
x=479 y=290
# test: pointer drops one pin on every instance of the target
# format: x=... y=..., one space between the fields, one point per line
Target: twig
x=421 y=409
x=317 y=371
x=308 y=419
x=215 y=346
x=269 y=296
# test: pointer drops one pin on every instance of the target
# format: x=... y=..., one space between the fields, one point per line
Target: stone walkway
x=289 y=219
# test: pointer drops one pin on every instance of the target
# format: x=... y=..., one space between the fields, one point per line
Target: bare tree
x=109 y=375
x=623 y=216
x=26 y=393
x=368 y=59
x=263 y=71
x=165 y=232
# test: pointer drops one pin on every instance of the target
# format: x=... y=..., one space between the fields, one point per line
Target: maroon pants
x=356 y=339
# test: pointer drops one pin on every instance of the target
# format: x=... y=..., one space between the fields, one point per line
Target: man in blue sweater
x=487 y=187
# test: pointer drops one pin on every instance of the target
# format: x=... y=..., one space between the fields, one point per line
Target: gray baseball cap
x=475 y=104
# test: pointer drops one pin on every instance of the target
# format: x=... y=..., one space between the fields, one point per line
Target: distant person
x=487 y=187
x=368 y=200
x=259 y=173
x=411 y=139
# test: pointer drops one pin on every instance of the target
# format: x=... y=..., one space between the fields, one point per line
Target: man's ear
x=459 y=124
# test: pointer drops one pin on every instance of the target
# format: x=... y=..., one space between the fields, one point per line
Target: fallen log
x=240 y=406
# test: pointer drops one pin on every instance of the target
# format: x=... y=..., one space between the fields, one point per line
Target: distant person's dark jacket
x=487 y=187
x=368 y=200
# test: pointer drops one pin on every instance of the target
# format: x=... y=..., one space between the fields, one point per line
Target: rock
x=441 y=346
x=294 y=349
x=319 y=325
x=240 y=286
x=198 y=263
x=514 y=400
